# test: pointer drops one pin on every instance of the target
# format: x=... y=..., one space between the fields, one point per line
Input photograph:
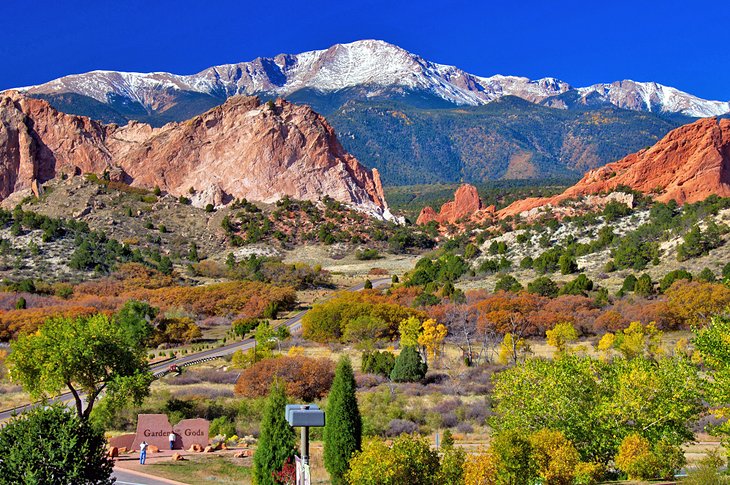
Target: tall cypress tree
x=277 y=440
x=343 y=427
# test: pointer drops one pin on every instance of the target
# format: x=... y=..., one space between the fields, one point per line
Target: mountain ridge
x=374 y=64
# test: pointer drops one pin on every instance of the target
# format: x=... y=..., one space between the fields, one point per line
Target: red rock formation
x=239 y=149
x=466 y=202
x=689 y=164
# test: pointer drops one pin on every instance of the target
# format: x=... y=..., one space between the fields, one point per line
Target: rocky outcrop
x=241 y=149
x=689 y=164
x=465 y=204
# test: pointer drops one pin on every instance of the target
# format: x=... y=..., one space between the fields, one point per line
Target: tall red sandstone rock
x=466 y=202
x=240 y=149
x=689 y=164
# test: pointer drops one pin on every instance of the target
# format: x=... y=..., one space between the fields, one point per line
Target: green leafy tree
x=87 y=355
x=134 y=320
x=712 y=343
x=343 y=427
x=514 y=452
x=50 y=445
x=277 y=441
x=409 y=367
x=375 y=362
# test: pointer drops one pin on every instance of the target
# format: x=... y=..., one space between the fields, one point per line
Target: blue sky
x=682 y=44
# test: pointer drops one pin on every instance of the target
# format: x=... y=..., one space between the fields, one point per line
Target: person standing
x=142 y=452
x=172 y=439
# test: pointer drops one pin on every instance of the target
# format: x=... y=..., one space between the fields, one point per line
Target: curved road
x=294 y=323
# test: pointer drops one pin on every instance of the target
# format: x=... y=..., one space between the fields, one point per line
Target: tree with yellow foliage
x=409 y=330
x=432 y=338
x=481 y=468
x=561 y=335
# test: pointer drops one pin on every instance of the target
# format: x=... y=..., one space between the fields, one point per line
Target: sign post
x=304 y=416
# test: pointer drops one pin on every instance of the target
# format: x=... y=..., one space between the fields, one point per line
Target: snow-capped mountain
x=372 y=66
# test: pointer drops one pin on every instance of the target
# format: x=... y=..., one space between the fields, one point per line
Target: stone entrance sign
x=155 y=430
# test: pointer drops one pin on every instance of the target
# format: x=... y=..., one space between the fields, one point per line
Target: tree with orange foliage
x=305 y=378
x=510 y=313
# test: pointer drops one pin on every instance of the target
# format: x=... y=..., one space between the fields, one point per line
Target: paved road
x=124 y=477
x=294 y=323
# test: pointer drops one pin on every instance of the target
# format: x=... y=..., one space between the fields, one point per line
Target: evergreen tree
x=343 y=429
x=368 y=285
x=644 y=286
x=277 y=441
x=568 y=264
x=408 y=366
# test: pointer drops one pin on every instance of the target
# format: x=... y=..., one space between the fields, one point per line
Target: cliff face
x=240 y=149
x=689 y=164
x=466 y=204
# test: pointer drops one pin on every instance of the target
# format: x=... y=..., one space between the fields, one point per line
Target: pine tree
x=277 y=441
x=343 y=428
x=408 y=366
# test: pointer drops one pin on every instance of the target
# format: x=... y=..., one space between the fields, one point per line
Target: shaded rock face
x=465 y=204
x=239 y=149
x=689 y=164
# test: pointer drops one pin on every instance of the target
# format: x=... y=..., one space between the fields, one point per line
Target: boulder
x=152 y=449
x=243 y=454
x=209 y=449
x=195 y=448
x=177 y=457
x=112 y=452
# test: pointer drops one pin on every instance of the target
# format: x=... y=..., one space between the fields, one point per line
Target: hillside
x=506 y=139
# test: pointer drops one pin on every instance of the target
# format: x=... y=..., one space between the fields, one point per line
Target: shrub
x=409 y=460
x=635 y=458
x=578 y=286
x=380 y=363
x=408 y=366
x=672 y=276
x=543 y=286
x=222 y=426
x=481 y=468
x=644 y=286
x=555 y=457
x=508 y=283
x=305 y=378
x=366 y=254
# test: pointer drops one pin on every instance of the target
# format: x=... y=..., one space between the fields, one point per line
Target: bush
x=380 y=363
x=53 y=445
x=410 y=460
x=366 y=254
x=508 y=283
x=672 y=276
x=514 y=452
x=644 y=286
x=305 y=378
x=543 y=286
x=222 y=426
x=579 y=286
x=408 y=366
